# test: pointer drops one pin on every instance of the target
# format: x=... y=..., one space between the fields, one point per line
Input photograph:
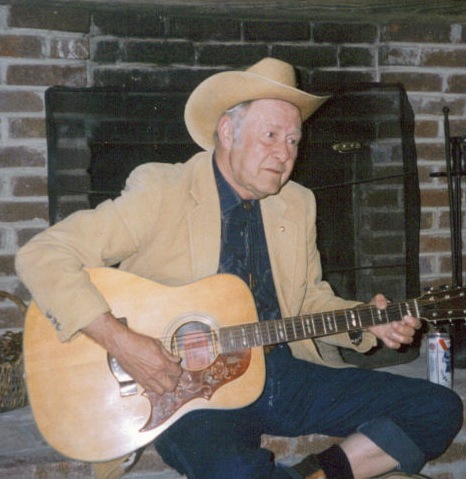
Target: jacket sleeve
x=319 y=296
x=52 y=264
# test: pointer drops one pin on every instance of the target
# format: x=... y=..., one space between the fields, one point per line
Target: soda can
x=439 y=359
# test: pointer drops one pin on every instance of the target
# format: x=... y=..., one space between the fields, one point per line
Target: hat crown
x=275 y=70
x=268 y=79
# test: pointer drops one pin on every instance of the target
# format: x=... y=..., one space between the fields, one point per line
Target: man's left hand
x=396 y=333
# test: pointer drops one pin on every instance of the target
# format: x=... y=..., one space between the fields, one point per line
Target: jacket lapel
x=281 y=232
x=204 y=220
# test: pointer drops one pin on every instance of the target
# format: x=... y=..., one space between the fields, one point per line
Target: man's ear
x=225 y=131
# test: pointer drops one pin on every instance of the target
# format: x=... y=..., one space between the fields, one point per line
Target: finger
x=168 y=381
x=380 y=301
x=161 y=384
x=155 y=387
x=412 y=321
x=404 y=336
x=171 y=357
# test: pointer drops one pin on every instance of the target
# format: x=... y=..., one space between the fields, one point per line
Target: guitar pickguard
x=197 y=384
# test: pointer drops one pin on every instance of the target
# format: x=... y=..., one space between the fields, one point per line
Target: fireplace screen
x=357 y=155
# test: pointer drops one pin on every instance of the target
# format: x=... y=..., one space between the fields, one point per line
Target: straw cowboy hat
x=268 y=79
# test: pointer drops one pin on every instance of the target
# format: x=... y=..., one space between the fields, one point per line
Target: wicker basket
x=13 y=392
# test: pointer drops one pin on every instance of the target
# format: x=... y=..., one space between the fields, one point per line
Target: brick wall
x=40 y=47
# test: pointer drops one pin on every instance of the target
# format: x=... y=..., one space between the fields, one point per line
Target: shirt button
x=282 y=229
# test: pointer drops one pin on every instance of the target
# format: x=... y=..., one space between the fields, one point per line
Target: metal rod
x=451 y=199
x=457 y=173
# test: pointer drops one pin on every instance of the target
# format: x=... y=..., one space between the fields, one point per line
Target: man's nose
x=282 y=151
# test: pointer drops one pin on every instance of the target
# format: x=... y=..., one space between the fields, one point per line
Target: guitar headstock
x=446 y=304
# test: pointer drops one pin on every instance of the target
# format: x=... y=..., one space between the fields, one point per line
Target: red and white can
x=439 y=359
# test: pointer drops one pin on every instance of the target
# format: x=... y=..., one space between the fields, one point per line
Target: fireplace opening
x=357 y=155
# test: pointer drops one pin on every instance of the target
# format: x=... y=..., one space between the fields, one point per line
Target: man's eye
x=270 y=134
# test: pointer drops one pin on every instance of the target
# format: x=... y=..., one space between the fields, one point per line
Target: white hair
x=236 y=114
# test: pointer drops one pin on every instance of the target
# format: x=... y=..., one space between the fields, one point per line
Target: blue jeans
x=410 y=419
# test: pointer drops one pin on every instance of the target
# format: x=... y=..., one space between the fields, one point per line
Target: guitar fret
x=277 y=331
x=309 y=324
x=287 y=328
x=303 y=327
x=244 y=341
x=266 y=325
x=408 y=308
x=281 y=331
x=295 y=335
x=359 y=318
x=252 y=335
x=268 y=332
x=291 y=329
x=400 y=307
x=257 y=334
x=318 y=326
x=247 y=338
x=235 y=341
x=299 y=328
x=346 y=319
x=379 y=316
x=273 y=331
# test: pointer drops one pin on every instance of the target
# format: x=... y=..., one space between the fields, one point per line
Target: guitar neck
x=264 y=333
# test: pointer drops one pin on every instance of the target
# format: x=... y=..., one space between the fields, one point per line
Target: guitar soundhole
x=195 y=343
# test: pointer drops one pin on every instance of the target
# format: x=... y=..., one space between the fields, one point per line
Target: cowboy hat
x=268 y=79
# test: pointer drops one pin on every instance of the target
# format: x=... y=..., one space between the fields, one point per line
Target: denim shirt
x=244 y=248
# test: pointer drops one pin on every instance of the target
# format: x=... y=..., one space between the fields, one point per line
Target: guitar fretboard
x=263 y=333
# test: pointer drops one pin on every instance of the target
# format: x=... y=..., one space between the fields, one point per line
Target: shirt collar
x=229 y=199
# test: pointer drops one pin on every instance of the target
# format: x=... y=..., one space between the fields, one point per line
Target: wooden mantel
x=318 y=10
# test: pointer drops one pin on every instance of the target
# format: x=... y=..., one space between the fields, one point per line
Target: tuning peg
x=428 y=289
x=445 y=287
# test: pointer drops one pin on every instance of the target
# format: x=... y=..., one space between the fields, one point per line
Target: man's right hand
x=142 y=357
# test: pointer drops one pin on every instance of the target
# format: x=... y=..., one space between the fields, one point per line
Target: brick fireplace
x=161 y=49
x=358 y=156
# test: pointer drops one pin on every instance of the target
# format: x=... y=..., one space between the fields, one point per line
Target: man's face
x=259 y=161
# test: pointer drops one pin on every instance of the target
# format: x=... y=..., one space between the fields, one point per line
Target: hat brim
x=209 y=101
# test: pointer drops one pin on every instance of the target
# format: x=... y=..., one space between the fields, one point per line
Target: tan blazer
x=166 y=226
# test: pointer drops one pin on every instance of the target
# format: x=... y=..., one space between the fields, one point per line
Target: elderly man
x=232 y=209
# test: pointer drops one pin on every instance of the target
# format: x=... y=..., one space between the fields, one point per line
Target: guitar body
x=89 y=409
x=80 y=407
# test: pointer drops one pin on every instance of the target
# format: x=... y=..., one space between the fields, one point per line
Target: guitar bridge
x=126 y=383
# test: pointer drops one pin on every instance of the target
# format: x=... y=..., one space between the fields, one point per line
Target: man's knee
x=447 y=419
x=451 y=407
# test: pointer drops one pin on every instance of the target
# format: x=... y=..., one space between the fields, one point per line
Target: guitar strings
x=289 y=329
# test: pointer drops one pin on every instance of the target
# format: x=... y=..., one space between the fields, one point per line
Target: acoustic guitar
x=89 y=409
